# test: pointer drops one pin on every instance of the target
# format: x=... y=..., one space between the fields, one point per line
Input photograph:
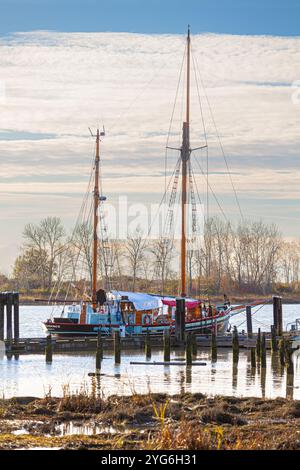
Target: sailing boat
x=138 y=313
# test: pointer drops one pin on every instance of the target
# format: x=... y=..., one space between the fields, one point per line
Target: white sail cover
x=140 y=300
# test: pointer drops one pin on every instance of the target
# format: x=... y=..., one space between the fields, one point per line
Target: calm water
x=29 y=375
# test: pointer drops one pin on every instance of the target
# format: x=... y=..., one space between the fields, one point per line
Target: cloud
x=59 y=84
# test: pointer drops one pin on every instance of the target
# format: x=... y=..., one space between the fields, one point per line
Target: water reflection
x=234 y=376
x=263 y=376
x=188 y=374
x=30 y=375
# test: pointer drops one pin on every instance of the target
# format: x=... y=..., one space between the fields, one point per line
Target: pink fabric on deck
x=189 y=303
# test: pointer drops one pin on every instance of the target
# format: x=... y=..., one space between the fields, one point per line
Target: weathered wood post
x=253 y=358
x=263 y=376
x=148 y=345
x=274 y=344
x=280 y=318
x=180 y=320
x=249 y=321
x=289 y=359
x=188 y=350
x=99 y=350
x=9 y=334
x=48 y=349
x=277 y=314
x=213 y=346
x=167 y=345
x=235 y=345
x=117 y=347
x=2 y=298
x=289 y=370
x=194 y=346
x=258 y=344
x=263 y=353
x=282 y=352
x=15 y=296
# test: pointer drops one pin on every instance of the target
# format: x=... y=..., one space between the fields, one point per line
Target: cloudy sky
x=55 y=84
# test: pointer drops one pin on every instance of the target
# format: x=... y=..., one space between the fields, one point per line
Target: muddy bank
x=155 y=421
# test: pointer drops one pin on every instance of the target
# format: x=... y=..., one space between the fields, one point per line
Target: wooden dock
x=59 y=345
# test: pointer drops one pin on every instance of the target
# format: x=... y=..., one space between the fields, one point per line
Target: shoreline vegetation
x=235 y=299
x=151 y=422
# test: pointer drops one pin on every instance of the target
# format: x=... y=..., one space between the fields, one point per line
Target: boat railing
x=294 y=326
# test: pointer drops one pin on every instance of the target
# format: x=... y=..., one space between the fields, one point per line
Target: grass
x=153 y=421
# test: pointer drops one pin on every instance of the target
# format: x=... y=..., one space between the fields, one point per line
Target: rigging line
x=196 y=186
x=164 y=195
x=215 y=197
x=59 y=282
x=141 y=91
x=204 y=132
x=220 y=143
x=172 y=116
x=253 y=313
x=80 y=250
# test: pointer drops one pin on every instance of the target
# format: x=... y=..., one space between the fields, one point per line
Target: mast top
x=189 y=32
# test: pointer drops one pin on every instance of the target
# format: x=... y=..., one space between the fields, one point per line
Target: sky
x=66 y=66
x=275 y=17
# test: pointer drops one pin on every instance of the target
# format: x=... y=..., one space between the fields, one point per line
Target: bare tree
x=163 y=252
x=135 y=248
x=82 y=241
x=46 y=237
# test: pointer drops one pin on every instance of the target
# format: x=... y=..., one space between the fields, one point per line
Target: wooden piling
x=148 y=345
x=117 y=347
x=99 y=350
x=48 y=350
x=274 y=344
x=289 y=359
x=15 y=298
x=277 y=314
x=213 y=347
x=9 y=333
x=2 y=300
x=253 y=358
x=280 y=320
x=180 y=319
x=194 y=346
x=258 y=344
x=263 y=352
x=188 y=350
x=249 y=321
x=289 y=370
x=235 y=345
x=282 y=352
x=167 y=345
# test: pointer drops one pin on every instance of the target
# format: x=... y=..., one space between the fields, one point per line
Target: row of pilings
x=9 y=317
x=280 y=346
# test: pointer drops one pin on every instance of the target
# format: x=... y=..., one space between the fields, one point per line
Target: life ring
x=147 y=319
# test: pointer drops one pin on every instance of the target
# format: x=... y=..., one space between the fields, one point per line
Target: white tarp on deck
x=140 y=301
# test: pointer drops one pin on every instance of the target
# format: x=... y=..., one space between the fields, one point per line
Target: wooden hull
x=78 y=329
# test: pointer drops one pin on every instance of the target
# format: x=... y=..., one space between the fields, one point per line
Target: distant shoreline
x=28 y=301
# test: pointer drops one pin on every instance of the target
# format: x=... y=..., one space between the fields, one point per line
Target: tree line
x=249 y=257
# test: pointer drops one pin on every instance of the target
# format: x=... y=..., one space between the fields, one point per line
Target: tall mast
x=95 y=235
x=185 y=155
